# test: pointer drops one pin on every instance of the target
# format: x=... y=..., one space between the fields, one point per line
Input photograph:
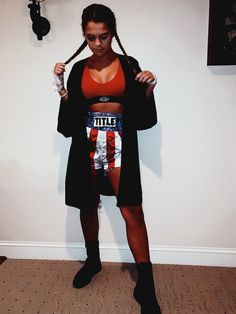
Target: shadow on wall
x=61 y=146
x=150 y=149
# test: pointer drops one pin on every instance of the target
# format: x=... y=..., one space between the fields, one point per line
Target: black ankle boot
x=144 y=291
x=91 y=267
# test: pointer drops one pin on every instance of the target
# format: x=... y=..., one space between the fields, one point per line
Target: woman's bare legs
x=144 y=291
x=136 y=233
x=135 y=224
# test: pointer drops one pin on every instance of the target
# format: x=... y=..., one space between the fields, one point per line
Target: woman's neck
x=106 y=58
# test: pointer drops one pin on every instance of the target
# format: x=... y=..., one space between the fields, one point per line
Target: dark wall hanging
x=41 y=25
x=222 y=33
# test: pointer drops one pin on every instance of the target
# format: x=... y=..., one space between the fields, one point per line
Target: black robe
x=139 y=113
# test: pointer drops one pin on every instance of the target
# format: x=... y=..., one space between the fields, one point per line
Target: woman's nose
x=97 y=42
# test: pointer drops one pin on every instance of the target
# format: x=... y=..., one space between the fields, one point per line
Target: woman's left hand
x=146 y=77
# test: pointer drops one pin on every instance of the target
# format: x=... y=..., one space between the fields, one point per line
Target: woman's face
x=98 y=37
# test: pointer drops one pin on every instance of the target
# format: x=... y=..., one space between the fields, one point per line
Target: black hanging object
x=41 y=25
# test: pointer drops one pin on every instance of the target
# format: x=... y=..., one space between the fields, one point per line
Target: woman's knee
x=132 y=214
x=90 y=211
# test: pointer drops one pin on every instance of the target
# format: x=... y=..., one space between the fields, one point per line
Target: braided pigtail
x=81 y=48
x=125 y=54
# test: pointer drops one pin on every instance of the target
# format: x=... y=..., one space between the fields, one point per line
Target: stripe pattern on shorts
x=104 y=148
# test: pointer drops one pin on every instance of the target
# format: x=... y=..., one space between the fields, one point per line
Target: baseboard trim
x=205 y=256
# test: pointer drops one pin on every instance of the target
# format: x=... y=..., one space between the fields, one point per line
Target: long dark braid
x=81 y=48
x=125 y=54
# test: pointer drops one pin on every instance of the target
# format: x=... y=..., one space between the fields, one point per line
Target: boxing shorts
x=104 y=132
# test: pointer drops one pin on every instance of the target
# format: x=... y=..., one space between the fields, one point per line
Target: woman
x=108 y=98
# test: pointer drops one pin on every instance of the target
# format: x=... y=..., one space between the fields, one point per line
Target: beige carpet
x=41 y=286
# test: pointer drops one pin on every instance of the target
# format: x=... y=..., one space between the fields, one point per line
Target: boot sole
x=144 y=309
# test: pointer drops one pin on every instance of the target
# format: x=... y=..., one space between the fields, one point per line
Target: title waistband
x=104 y=121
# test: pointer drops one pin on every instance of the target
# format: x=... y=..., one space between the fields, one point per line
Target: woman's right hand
x=59 y=68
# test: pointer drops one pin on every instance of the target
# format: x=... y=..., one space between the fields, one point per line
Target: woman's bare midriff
x=113 y=107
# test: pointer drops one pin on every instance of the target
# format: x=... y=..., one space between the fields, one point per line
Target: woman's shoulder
x=130 y=63
x=131 y=58
x=80 y=64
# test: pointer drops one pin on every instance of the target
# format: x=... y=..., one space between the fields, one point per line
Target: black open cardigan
x=138 y=114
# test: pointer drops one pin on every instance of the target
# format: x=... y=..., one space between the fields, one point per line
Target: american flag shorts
x=104 y=132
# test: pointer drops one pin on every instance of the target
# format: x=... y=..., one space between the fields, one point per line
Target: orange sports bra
x=103 y=92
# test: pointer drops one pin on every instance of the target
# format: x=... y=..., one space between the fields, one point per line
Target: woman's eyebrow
x=88 y=34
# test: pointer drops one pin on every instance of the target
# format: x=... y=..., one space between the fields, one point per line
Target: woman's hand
x=146 y=77
x=149 y=78
x=59 y=68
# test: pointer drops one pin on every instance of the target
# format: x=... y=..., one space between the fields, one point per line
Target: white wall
x=187 y=160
